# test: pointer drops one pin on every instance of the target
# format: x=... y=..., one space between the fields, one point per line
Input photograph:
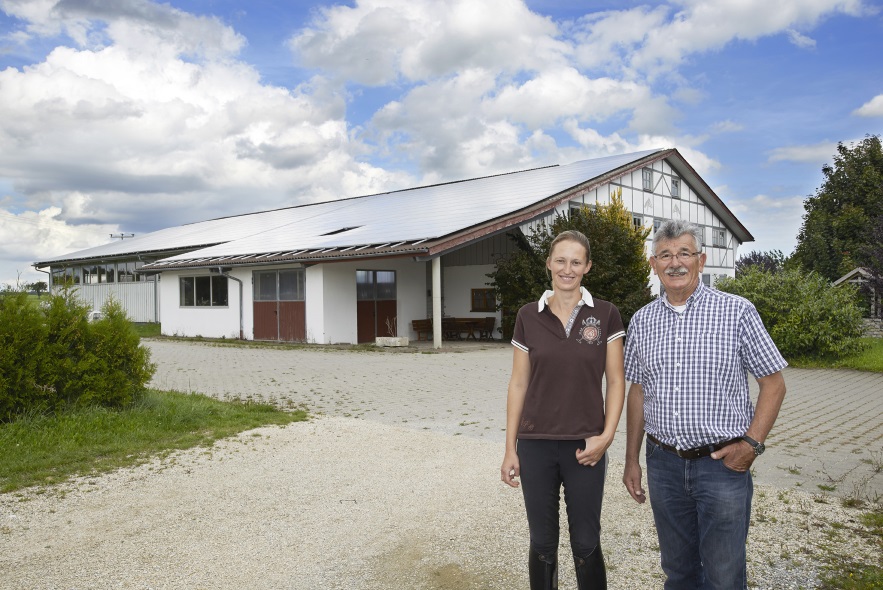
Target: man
x=686 y=356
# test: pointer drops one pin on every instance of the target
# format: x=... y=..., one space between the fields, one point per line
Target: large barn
x=349 y=270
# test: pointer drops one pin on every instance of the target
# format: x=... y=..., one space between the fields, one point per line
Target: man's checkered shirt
x=692 y=366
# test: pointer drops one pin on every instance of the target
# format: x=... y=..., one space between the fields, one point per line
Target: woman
x=557 y=429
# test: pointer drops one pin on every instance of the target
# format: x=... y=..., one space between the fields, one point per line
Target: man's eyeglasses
x=682 y=256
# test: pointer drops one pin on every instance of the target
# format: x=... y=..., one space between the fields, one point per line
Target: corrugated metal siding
x=138 y=299
x=482 y=252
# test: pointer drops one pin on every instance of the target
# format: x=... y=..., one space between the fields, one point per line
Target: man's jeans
x=701 y=509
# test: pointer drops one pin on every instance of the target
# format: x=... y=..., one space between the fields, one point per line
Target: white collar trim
x=585 y=299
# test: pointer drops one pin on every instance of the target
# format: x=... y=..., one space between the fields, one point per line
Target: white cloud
x=379 y=42
x=800 y=40
x=645 y=41
x=137 y=25
x=727 y=127
x=34 y=235
x=145 y=116
x=816 y=153
x=134 y=135
x=872 y=108
x=774 y=222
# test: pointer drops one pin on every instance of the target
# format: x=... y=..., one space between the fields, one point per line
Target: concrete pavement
x=828 y=438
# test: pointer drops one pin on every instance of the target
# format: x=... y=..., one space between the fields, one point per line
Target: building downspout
x=241 y=328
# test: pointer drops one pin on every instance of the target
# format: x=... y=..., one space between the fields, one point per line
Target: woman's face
x=568 y=264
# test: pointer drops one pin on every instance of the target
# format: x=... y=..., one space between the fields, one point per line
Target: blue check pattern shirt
x=693 y=366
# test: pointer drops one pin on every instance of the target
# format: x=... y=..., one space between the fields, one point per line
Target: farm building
x=349 y=270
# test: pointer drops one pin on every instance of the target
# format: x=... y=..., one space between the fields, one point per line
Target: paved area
x=828 y=438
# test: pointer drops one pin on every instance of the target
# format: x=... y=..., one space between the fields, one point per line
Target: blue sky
x=128 y=117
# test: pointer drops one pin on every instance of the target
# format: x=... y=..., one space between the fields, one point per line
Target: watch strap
x=759 y=447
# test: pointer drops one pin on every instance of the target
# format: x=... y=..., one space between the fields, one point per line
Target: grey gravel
x=395 y=484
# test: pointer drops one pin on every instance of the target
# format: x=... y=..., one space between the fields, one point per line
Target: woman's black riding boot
x=590 y=571
x=543 y=571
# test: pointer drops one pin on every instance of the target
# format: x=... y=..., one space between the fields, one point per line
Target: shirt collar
x=585 y=299
x=697 y=293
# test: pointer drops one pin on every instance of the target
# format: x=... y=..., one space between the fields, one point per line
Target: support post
x=436 y=303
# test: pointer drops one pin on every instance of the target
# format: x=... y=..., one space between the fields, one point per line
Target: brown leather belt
x=696 y=453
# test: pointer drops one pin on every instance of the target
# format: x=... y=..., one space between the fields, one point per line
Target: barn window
x=203 y=291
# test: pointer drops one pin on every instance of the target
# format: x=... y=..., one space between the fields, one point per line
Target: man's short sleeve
x=760 y=355
x=633 y=372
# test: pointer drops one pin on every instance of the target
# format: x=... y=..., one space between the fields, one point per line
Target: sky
x=126 y=117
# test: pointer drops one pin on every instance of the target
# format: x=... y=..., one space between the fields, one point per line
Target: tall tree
x=839 y=217
x=770 y=261
x=620 y=271
x=39 y=287
x=872 y=252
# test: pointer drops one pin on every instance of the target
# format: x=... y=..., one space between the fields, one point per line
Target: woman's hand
x=596 y=446
x=510 y=469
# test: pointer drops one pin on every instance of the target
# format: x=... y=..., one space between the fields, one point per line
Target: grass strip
x=40 y=450
x=870 y=359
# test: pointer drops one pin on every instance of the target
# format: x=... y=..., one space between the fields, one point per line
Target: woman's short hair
x=574 y=236
x=674 y=229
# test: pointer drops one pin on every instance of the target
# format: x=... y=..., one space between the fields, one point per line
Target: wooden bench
x=422 y=327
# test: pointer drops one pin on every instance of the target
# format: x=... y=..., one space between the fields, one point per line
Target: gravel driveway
x=395 y=484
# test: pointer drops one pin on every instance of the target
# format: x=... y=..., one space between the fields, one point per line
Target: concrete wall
x=208 y=322
x=873 y=327
x=458 y=283
x=331 y=298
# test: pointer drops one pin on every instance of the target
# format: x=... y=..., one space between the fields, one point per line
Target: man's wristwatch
x=759 y=447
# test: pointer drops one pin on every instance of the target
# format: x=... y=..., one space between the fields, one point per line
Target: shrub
x=805 y=315
x=22 y=337
x=55 y=358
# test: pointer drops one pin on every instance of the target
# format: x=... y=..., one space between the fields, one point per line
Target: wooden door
x=376 y=304
x=279 y=306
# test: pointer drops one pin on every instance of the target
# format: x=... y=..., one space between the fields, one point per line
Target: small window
x=483 y=300
x=647 y=175
x=657 y=223
x=719 y=238
x=706 y=280
x=638 y=222
x=676 y=188
x=203 y=291
x=291 y=285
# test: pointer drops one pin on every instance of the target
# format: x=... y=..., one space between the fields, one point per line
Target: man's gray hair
x=674 y=229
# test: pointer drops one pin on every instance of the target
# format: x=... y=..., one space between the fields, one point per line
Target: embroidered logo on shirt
x=590 y=332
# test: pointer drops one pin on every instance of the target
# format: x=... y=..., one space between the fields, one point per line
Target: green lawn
x=151 y=330
x=871 y=359
x=50 y=449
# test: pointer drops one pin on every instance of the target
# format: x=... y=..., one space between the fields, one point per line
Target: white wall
x=331 y=298
x=458 y=283
x=209 y=322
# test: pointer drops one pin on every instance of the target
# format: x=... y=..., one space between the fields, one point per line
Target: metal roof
x=410 y=222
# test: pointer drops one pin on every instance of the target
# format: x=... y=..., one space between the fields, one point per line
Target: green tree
x=872 y=253
x=620 y=271
x=771 y=261
x=39 y=287
x=839 y=217
x=805 y=315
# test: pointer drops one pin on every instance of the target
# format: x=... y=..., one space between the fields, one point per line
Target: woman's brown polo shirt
x=564 y=400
